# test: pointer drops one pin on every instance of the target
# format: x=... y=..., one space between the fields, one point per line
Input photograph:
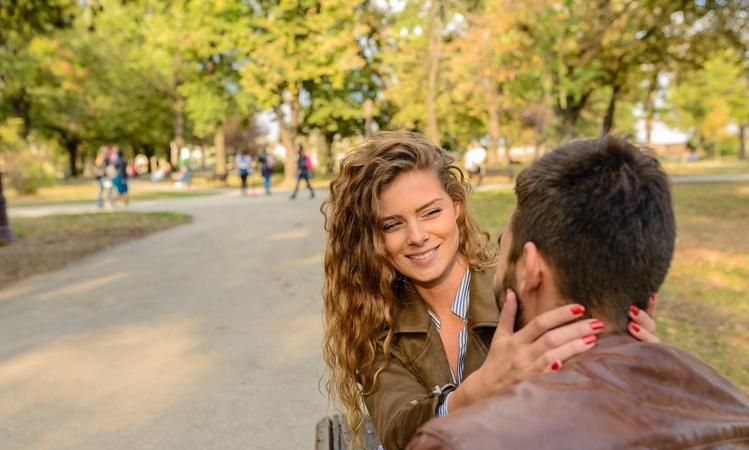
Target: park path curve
x=204 y=336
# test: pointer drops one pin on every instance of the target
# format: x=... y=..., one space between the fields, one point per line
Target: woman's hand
x=642 y=325
x=541 y=345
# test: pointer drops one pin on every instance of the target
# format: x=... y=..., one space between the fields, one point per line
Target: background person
x=120 y=179
x=243 y=161
x=266 y=162
x=474 y=162
x=100 y=173
x=304 y=165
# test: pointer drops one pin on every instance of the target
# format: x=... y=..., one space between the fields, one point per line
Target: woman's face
x=419 y=223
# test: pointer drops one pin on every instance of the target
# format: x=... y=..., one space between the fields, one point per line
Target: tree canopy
x=147 y=74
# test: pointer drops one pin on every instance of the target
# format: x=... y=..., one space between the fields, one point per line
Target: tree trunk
x=492 y=108
x=21 y=106
x=71 y=145
x=433 y=61
x=6 y=234
x=368 y=122
x=219 y=145
x=742 y=142
x=330 y=167
x=149 y=151
x=570 y=115
x=608 y=120
x=179 y=115
x=288 y=140
x=650 y=108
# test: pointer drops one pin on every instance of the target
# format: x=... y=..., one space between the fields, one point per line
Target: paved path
x=205 y=336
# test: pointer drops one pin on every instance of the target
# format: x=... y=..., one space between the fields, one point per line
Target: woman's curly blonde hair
x=358 y=291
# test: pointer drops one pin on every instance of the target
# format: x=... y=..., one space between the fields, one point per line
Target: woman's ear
x=458 y=205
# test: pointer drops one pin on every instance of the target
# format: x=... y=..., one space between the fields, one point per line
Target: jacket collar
x=483 y=310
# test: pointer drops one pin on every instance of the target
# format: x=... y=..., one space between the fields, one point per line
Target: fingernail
x=589 y=339
x=634 y=310
x=556 y=365
x=597 y=325
x=635 y=327
x=577 y=309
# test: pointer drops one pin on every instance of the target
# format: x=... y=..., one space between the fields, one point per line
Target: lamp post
x=6 y=235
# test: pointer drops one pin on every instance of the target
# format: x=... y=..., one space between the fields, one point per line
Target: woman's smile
x=424 y=258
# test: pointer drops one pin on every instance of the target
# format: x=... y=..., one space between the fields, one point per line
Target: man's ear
x=532 y=266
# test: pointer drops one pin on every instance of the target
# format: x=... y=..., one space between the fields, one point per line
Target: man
x=474 y=159
x=594 y=222
x=243 y=161
x=304 y=165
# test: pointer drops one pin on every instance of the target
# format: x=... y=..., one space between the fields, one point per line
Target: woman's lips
x=424 y=258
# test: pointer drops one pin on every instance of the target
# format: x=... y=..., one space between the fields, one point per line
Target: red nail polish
x=589 y=339
x=597 y=325
x=577 y=310
x=556 y=365
x=634 y=310
x=635 y=327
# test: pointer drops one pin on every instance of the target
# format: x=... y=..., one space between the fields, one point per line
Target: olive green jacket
x=403 y=398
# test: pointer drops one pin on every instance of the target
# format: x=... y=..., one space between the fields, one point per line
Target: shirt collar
x=482 y=310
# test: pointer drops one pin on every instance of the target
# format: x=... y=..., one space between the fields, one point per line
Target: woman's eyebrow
x=419 y=209
x=427 y=205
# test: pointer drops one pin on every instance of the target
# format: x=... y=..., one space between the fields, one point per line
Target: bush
x=28 y=164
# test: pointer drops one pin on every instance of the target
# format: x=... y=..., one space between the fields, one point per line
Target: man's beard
x=508 y=282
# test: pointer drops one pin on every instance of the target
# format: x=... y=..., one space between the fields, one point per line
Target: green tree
x=20 y=22
x=290 y=44
x=705 y=101
x=588 y=47
x=352 y=107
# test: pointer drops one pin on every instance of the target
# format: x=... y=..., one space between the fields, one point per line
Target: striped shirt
x=460 y=309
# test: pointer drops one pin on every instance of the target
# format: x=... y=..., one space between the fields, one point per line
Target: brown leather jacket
x=622 y=394
x=403 y=399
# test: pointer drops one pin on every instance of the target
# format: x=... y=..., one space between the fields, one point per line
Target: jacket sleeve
x=399 y=404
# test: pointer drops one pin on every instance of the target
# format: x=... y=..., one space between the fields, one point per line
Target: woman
x=410 y=309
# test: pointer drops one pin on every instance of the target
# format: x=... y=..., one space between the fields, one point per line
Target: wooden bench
x=492 y=171
x=219 y=177
x=333 y=434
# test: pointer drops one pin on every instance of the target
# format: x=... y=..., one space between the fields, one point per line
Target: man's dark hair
x=600 y=212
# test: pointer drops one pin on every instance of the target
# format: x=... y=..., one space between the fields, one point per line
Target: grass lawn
x=81 y=191
x=723 y=166
x=702 y=307
x=48 y=243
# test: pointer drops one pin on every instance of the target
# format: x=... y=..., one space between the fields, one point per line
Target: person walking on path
x=244 y=164
x=266 y=169
x=120 y=179
x=100 y=172
x=304 y=164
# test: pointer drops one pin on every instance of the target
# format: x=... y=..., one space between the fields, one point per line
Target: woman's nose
x=417 y=235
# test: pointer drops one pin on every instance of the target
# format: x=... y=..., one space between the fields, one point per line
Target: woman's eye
x=389 y=226
x=433 y=212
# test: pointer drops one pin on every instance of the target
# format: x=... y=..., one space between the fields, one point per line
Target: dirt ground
x=51 y=242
